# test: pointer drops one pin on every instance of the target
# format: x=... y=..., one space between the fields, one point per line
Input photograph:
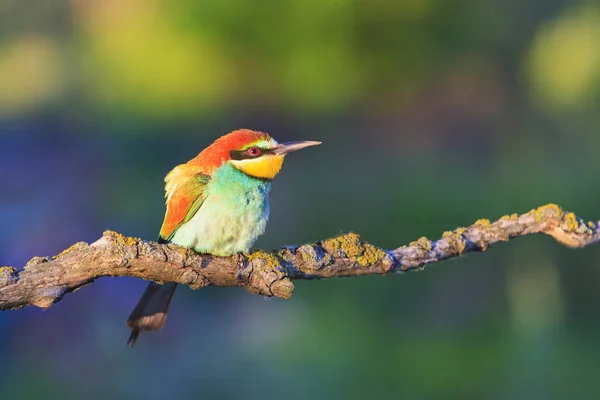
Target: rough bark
x=44 y=281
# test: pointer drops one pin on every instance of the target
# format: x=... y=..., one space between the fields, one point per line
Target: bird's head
x=255 y=153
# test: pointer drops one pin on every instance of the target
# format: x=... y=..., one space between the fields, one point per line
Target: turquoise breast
x=232 y=216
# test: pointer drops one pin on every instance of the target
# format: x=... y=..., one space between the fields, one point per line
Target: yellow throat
x=265 y=167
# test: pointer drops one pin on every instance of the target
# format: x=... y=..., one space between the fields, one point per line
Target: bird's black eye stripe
x=244 y=155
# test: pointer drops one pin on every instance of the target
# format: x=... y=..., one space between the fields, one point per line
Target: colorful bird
x=217 y=203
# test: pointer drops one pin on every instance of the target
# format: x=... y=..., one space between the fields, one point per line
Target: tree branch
x=44 y=281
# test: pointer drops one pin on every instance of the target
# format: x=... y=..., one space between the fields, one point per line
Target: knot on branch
x=264 y=274
x=193 y=279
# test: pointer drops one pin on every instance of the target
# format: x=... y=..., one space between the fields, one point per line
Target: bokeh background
x=432 y=114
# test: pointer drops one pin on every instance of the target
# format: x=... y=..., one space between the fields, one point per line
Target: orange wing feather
x=184 y=191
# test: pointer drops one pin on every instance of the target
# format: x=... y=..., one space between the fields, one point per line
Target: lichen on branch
x=45 y=280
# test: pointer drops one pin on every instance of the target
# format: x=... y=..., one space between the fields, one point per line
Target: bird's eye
x=253 y=151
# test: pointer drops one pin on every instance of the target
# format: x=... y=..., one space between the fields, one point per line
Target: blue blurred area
x=432 y=115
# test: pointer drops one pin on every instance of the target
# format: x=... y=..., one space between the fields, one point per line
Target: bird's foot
x=240 y=260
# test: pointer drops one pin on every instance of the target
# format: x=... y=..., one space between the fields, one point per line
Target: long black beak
x=285 y=148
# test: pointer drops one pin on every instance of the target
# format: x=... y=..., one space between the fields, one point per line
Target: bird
x=217 y=203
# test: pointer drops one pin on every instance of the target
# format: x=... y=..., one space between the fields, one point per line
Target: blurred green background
x=432 y=114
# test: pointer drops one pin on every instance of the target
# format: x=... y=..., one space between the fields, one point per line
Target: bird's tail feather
x=150 y=313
